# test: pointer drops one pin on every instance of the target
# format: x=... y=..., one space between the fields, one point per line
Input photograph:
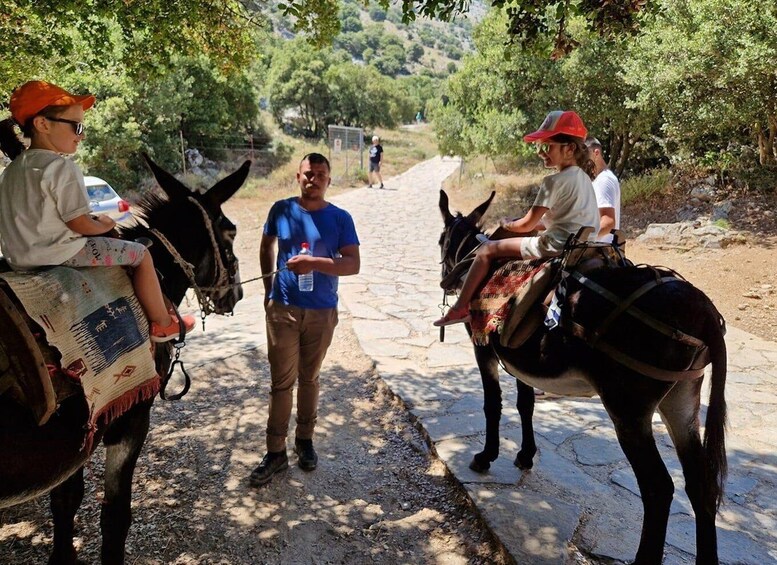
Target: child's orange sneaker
x=172 y=331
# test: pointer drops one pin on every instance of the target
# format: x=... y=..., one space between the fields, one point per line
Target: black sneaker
x=381 y=185
x=308 y=459
x=272 y=462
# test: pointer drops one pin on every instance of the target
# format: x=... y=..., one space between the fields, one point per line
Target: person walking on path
x=45 y=219
x=608 y=192
x=564 y=204
x=300 y=324
x=376 y=158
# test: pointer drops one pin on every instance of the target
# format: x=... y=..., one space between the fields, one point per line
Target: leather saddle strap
x=694 y=372
x=626 y=306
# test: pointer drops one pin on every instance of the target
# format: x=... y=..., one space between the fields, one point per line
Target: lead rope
x=178 y=344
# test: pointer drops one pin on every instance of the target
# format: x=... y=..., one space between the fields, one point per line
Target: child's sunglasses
x=78 y=127
x=545 y=147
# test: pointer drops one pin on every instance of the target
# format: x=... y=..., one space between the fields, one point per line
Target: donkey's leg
x=123 y=441
x=680 y=412
x=525 y=405
x=65 y=500
x=492 y=407
x=631 y=410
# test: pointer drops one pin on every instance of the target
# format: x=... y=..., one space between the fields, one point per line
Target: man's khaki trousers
x=297 y=341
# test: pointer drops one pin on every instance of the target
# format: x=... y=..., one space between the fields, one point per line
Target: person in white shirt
x=608 y=192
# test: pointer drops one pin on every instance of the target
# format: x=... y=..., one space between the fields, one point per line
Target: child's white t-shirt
x=39 y=191
x=571 y=202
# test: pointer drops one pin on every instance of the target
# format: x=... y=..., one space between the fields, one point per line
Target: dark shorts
x=374 y=167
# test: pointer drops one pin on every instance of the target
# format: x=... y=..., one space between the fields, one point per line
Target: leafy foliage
x=33 y=32
x=317 y=87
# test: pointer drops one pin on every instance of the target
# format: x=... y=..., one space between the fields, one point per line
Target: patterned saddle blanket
x=92 y=318
x=515 y=285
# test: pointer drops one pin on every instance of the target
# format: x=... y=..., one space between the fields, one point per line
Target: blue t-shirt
x=327 y=231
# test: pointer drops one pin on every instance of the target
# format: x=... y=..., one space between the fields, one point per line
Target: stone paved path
x=581 y=488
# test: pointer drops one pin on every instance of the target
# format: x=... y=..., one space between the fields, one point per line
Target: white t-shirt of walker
x=608 y=195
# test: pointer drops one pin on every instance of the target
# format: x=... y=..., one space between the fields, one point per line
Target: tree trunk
x=765 y=139
x=628 y=145
x=616 y=144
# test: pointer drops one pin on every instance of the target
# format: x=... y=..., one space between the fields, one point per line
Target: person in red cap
x=45 y=217
x=565 y=203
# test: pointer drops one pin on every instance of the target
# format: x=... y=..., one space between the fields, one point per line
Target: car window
x=100 y=192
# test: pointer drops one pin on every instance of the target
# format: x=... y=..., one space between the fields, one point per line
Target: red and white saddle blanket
x=91 y=316
x=505 y=289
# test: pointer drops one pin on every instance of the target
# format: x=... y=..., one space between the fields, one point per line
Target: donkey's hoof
x=481 y=462
x=479 y=467
x=524 y=461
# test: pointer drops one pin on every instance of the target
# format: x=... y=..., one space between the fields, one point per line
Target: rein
x=221 y=279
x=459 y=265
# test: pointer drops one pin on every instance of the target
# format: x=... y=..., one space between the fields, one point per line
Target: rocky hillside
x=703 y=212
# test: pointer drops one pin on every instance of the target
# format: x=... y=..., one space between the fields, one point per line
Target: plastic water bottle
x=305 y=281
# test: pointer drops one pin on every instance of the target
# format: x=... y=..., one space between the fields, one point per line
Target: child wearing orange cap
x=565 y=203
x=44 y=208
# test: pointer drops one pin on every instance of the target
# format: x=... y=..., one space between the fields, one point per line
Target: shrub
x=644 y=186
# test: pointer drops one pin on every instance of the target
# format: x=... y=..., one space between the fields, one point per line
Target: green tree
x=415 y=52
x=296 y=85
x=377 y=14
x=362 y=97
x=708 y=66
x=149 y=33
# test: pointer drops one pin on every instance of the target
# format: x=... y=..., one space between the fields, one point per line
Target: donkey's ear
x=226 y=187
x=445 y=209
x=478 y=212
x=174 y=188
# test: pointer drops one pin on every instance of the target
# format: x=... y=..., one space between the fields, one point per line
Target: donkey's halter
x=221 y=278
x=462 y=255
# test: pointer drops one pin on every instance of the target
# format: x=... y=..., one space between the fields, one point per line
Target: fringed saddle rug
x=91 y=316
x=491 y=308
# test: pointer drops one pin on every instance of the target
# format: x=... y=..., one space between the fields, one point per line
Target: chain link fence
x=346 y=151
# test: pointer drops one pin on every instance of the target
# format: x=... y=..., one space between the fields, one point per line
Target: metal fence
x=346 y=151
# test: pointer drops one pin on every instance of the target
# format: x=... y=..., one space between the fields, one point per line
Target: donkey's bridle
x=462 y=253
x=221 y=276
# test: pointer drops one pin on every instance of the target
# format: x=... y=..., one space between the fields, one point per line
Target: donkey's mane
x=159 y=211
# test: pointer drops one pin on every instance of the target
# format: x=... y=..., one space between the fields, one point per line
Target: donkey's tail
x=715 y=424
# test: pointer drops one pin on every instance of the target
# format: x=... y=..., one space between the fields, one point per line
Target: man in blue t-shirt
x=300 y=325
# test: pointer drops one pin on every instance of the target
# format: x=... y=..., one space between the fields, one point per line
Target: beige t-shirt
x=571 y=202
x=40 y=191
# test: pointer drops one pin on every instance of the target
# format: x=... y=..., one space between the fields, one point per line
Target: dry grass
x=479 y=177
x=403 y=148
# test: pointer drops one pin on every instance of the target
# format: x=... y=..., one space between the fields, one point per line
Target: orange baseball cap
x=557 y=122
x=30 y=98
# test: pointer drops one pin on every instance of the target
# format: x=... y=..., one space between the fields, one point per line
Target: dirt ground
x=378 y=496
x=741 y=280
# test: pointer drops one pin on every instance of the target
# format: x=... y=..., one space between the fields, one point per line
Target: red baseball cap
x=558 y=121
x=30 y=98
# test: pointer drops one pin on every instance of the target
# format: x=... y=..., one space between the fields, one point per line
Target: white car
x=104 y=200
